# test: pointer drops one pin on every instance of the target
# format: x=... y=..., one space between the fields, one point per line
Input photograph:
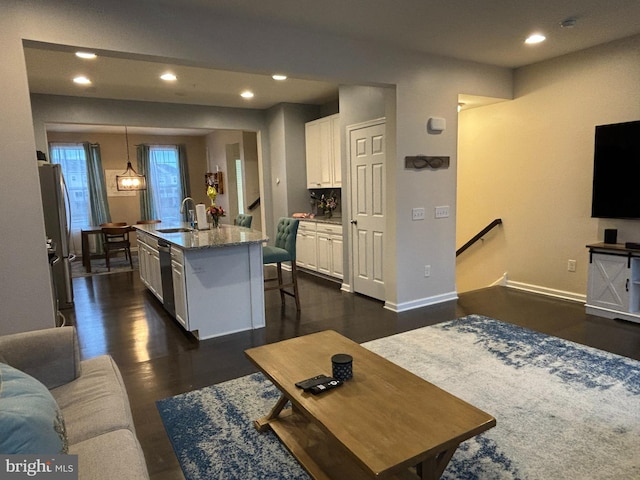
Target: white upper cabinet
x=324 y=162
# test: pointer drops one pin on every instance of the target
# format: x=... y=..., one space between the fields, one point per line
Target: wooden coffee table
x=380 y=424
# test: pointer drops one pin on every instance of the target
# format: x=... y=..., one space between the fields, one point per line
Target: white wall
x=529 y=161
x=425 y=86
x=217 y=151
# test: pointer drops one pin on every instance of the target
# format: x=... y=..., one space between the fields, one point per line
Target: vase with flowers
x=328 y=203
x=215 y=212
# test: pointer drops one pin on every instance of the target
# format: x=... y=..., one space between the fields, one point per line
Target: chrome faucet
x=192 y=213
x=186 y=199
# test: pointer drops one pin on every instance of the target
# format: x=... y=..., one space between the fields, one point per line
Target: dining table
x=86 y=251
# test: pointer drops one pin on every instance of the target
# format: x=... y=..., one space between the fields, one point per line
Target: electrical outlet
x=571 y=265
x=442 y=212
x=427 y=270
x=417 y=214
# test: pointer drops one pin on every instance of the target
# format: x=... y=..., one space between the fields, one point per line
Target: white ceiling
x=485 y=31
x=489 y=31
x=51 y=71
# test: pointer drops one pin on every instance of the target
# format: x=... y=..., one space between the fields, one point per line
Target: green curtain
x=98 y=203
x=184 y=174
x=146 y=196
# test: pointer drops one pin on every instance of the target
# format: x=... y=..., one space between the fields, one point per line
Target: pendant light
x=130 y=179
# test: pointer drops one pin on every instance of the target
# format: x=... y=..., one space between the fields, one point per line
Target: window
x=164 y=177
x=72 y=159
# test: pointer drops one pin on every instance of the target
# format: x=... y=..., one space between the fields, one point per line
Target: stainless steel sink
x=174 y=230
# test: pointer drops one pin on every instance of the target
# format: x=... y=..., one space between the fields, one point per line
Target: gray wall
x=295 y=116
x=360 y=104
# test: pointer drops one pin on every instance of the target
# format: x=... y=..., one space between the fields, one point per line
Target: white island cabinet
x=216 y=275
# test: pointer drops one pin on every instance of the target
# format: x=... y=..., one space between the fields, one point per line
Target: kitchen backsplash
x=331 y=196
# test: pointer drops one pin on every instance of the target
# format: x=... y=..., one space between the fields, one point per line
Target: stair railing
x=482 y=233
x=254 y=204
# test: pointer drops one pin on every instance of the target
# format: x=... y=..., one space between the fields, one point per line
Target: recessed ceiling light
x=168 y=77
x=82 y=80
x=246 y=94
x=278 y=76
x=535 y=38
x=86 y=55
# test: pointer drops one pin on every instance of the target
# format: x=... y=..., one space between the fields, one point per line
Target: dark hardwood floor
x=116 y=315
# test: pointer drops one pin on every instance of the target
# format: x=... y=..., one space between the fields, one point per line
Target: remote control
x=323 y=387
x=307 y=384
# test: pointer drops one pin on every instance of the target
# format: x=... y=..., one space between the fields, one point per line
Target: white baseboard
x=423 y=302
x=501 y=281
x=612 y=314
x=550 y=292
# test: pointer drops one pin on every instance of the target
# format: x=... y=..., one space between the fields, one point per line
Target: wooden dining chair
x=116 y=239
x=114 y=224
x=147 y=222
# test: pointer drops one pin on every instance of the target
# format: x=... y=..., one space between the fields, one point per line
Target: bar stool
x=283 y=251
x=243 y=220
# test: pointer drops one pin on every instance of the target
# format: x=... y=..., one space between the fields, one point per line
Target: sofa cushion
x=115 y=454
x=96 y=402
x=30 y=419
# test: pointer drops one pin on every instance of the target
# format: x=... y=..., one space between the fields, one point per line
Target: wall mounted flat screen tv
x=616 y=171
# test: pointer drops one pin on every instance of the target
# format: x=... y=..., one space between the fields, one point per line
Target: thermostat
x=436 y=124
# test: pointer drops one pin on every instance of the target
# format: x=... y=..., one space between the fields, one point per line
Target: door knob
x=354 y=222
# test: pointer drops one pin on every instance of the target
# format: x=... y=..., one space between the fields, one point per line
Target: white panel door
x=367 y=159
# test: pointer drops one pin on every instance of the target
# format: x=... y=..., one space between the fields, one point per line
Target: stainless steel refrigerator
x=57 y=223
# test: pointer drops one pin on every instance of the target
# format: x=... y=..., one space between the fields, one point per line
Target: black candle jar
x=342 y=366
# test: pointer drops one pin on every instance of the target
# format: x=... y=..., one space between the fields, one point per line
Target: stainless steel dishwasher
x=164 y=250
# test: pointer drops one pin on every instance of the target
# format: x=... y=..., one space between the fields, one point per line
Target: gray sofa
x=91 y=396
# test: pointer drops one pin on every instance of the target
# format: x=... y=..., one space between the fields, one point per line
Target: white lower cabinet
x=329 y=247
x=306 y=246
x=614 y=284
x=337 y=265
x=179 y=287
x=319 y=248
x=149 y=260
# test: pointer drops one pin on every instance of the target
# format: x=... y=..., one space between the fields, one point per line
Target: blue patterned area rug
x=564 y=411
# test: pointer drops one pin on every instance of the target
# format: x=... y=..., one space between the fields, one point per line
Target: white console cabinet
x=614 y=282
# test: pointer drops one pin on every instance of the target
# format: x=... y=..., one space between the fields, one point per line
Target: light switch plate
x=442 y=212
x=417 y=214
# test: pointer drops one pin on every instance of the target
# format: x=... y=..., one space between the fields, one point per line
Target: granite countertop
x=224 y=236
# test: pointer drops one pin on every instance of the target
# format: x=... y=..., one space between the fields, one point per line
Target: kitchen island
x=211 y=281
